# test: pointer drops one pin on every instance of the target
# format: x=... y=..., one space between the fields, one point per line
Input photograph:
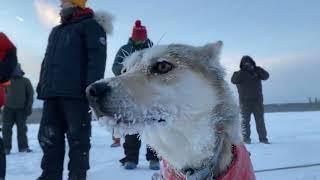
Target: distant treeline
x=292 y=107
x=269 y=108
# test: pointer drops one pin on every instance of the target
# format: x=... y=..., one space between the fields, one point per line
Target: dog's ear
x=213 y=50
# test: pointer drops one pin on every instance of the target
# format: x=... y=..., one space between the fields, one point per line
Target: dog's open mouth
x=126 y=121
x=118 y=120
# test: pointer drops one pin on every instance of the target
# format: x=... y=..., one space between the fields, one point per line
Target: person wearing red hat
x=138 y=41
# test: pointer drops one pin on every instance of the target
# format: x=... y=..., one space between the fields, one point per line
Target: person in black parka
x=138 y=41
x=75 y=57
x=248 y=81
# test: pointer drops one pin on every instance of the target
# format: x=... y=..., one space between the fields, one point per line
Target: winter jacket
x=125 y=51
x=240 y=168
x=249 y=83
x=19 y=94
x=8 y=58
x=75 y=56
x=2 y=95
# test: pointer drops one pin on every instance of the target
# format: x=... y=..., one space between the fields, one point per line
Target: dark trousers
x=2 y=160
x=257 y=109
x=62 y=117
x=132 y=146
x=11 y=117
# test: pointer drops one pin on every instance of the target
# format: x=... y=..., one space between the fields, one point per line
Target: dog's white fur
x=201 y=117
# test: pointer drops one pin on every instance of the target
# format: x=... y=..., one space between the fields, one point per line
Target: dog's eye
x=123 y=71
x=162 y=67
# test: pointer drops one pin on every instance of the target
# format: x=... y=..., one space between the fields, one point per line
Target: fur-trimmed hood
x=105 y=20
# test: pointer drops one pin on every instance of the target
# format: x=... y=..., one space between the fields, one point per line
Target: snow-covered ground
x=295 y=140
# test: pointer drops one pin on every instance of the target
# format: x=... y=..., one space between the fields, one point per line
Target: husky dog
x=177 y=98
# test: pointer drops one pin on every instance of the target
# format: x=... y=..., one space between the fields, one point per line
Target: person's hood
x=247 y=59
x=18 y=72
x=75 y=14
x=5 y=45
x=103 y=18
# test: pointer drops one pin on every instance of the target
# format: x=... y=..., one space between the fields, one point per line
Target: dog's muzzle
x=100 y=98
x=96 y=93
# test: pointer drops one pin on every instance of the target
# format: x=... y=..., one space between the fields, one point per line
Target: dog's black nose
x=98 y=90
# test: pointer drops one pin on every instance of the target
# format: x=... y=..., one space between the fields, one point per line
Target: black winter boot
x=77 y=176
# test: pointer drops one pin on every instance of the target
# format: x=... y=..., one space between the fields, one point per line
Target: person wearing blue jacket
x=138 y=41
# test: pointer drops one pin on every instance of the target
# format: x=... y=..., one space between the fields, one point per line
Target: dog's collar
x=205 y=172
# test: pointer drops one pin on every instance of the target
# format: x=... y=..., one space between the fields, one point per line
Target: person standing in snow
x=248 y=82
x=75 y=57
x=17 y=108
x=138 y=41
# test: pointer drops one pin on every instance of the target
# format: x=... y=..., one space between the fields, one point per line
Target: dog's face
x=177 y=98
x=160 y=86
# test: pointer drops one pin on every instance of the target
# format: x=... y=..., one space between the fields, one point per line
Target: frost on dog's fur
x=188 y=115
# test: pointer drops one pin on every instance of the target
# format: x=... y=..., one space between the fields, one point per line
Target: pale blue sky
x=282 y=36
